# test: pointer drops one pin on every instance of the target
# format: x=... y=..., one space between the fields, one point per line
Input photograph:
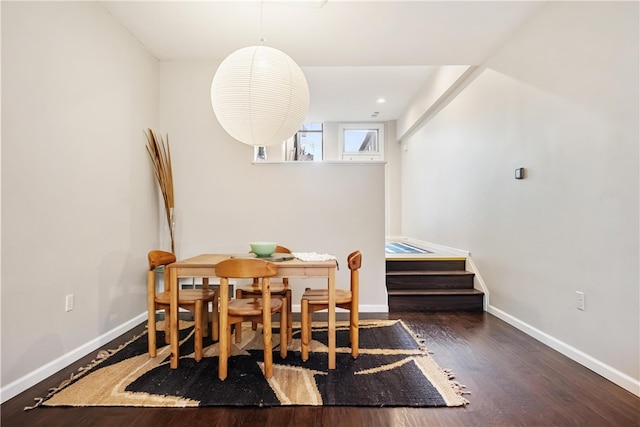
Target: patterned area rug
x=393 y=369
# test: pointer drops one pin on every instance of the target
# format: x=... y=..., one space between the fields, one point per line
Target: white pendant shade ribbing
x=260 y=95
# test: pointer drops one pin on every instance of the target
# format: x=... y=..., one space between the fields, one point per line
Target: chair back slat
x=354 y=260
x=158 y=258
x=245 y=268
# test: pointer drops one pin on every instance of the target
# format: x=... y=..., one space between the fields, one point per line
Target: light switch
x=520 y=173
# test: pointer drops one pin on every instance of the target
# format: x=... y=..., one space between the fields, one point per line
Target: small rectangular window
x=306 y=144
x=362 y=141
x=260 y=154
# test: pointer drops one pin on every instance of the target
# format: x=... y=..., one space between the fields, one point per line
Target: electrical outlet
x=580 y=300
x=68 y=303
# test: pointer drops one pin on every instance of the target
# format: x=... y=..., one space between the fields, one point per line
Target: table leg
x=205 y=316
x=305 y=327
x=173 y=318
x=332 y=318
x=223 y=344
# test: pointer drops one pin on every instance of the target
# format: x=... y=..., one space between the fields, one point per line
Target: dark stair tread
x=425 y=264
x=430 y=273
x=422 y=292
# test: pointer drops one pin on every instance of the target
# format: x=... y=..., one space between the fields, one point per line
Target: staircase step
x=435 y=300
x=436 y=292
x=434 y=264
x=430 y=273
x=430 y=280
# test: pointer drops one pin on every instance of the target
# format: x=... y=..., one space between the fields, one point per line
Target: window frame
x=365 y=155
x=295 y=140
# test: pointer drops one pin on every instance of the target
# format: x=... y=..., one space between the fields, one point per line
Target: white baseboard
x=620 y=378
x=33 y=378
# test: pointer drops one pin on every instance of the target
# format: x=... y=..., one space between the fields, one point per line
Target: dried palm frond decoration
x=160 y=156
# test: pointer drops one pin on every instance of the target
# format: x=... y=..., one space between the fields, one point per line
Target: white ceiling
x=352 y=52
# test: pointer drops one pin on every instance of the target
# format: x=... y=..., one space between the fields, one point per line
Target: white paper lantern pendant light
x=260 y=95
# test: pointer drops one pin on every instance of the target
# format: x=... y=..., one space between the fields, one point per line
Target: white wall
x=560 y=99
x=223 y=201
x=331 y=143
x=442 y=80
x=78 y=208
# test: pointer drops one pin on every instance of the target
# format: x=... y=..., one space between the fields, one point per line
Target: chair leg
x=353 y=332
x=304 y=341
x=206 y=330
x=151 y=313
x=151 y=331
x=238 y=332
x=198 y=321
x=268 y=350
x=289 y=318
x=284 y=327
x=167 y=329
x=254 y=325
x=266 y=329
x=215 y=318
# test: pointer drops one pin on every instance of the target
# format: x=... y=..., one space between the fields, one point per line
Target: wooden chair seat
x=321 y=296
x=186 y=296
x=251 y=307
x=255 y=289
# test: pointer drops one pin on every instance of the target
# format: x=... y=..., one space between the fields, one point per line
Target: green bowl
x=263 y=249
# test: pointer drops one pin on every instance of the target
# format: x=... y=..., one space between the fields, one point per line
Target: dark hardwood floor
x=513 y=379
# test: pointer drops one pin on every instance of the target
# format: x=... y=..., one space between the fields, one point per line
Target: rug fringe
x=458 y=388
x=422 y=342
x=83 y=370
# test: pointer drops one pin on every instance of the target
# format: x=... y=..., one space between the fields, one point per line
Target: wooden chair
x=279 y=290
x=253 y=308
x=195 y=300
x=318 y=299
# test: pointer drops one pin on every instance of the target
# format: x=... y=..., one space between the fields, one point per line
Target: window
x=260 y=153
x=362 y=141
x=306 y=144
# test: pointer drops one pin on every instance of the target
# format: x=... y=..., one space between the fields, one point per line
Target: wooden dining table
x=204 y=266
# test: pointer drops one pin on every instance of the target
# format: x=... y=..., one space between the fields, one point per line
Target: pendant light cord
x=262 y=38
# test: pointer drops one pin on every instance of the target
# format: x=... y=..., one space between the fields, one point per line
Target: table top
x=211 y=260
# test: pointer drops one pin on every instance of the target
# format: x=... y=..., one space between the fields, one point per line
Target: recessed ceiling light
x=381 y=101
